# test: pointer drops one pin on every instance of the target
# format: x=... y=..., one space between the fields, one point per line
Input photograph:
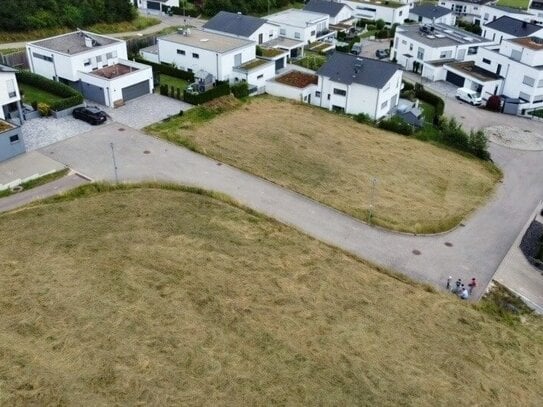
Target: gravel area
x=512 y=137
x=145 y=110
x=41 y=132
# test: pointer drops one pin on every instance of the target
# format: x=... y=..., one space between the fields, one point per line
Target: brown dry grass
x=157 y=297
x=421 y=188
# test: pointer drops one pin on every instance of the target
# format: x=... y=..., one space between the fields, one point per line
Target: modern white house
x=467 y=10
x=301 y=25
x=536 y=9
x=506 y=27
x=155 y=6
x=337 y=11
x=429 y=14
x=491 y=12
x=238 y=25
x=390 y=12
x=355 y=85
x=11 y=141
x=96 y=65
x=416 y=44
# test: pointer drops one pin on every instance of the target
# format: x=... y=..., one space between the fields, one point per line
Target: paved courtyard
x=44 y=131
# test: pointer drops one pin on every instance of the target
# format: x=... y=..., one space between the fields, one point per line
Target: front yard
x=173 y=81
x=32 y=94
x=420 y=187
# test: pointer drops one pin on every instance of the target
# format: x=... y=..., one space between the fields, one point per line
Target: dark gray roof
x=348 y=69
x=331 y=8
x=235 y=24
x=514 y=27
x=430 y=11
x=74 y=42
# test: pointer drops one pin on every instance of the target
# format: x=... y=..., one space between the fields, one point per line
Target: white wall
x=5 y=99
x=489 y=14
x=345 y=14
x=449 y=19
x=259 y=77
x=150 y=56
x=372 y=11
x=462 y=8
x=290 y=92
x=218 y=65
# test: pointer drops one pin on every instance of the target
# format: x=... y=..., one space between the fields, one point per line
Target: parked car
x=469 y=96
x=91 y=115
x=357 y=48
x=382 y=53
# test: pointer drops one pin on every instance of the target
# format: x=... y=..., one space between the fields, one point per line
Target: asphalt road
x=473 y=250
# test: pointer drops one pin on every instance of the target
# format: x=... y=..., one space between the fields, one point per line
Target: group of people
x=460 y=289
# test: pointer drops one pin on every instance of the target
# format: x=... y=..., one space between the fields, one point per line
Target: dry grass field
x=163 y=297
x=421 y=188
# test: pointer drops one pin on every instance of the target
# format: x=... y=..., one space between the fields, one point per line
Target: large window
x=524 y=96
x=44 y=57
x=528 y=81
x=540 y=83
x=297 y=35
x=516 y=55
x=282 y=31
x=181 y=52
x=195 y=55
x=472 y=50
x=420 y=53
x=340 y=92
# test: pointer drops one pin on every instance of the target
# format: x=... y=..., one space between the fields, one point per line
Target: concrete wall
x=9 y=149
x=291 y=92
x=258 y=77
x=373 y=11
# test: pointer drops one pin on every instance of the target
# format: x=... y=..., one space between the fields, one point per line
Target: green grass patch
x=32 y=94
x=311 y=60
x=173 y=81
x=37 y=182
x=520 y=4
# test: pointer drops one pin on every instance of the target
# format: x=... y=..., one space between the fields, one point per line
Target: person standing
x=472 y=285
x=449 y=283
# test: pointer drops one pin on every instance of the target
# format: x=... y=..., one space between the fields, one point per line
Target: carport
x=468 y=75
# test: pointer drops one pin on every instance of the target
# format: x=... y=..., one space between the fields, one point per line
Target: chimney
x=88 y=42
x=524 y=24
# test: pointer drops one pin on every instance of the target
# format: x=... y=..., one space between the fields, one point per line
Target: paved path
x=477 y=248
x=43 y=191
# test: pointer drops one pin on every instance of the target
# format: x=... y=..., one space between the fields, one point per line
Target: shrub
x=364 y=118
x=371 y=27
x=478 y=144
x=407 y=86
x=343 y=49
x=430 y=98
x=380 y=24
x=397 y=125
x=167 y=70
x=494 y=103
x=44 y=109
x=220 y=89
x=258 y=51
x=178 y=93
x=240 y=90
x=475 y=142
x=384 y=33
x=164 y=90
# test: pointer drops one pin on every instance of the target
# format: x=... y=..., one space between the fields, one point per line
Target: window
x=10 y=84
x=445 y=54
x=297 y=35
x=312 y=32
x=282 y=31
x=340 y=92
x=109 y=55
x=384 y=104
x=538 y=98
x=515 y=54
x=486 y=61
x=44 y=57
x=400 y=13
x=181 y=52
x=260 y=76
x=404 y=42
x=524 y=96
x=99 y=58
x=87 y=62
x=540 y=83
x=472 y=50
x=420 y=53
x=411 y=47
x=317 y=94
x=328 y=97
x=195 y=55
x=528 y=81
x=14 y=139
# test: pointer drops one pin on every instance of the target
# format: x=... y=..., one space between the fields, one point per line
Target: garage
x=455 y=79
x=93 y=92
x=136 y=90
x=153 y=5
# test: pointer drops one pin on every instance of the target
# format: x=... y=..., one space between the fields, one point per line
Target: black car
x=91 y=115
x=382 y=53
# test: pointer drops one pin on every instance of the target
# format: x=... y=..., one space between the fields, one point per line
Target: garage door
x=455 y=79
x=134 y=91
x=93 y=92
x=153 y=5
x=279 y=64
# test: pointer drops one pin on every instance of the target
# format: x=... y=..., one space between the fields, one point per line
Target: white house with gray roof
x=491 y=12
x=391 y=12
x=467 y=10
x=301 y=25
x=238 y=25
x=506 y=27
x=156 y=6
x=96 y=65
x=337 y=11
x=430 y=13
x=355 y=85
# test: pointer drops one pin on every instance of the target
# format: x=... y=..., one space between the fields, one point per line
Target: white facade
x=291 y=92
x=300 y=25
x=264 y=33
x=378 y=10
x=346 y=13
x=448 y=19
x=490 y=13
x=155 y=5
x=194 y=53
x=467 y=10
x=256 y=76
x=9 y=91
x=497 y=36
x=356 y=98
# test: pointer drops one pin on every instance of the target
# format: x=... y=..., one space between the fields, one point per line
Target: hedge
x=178 y=11
x=430 y=98
x=221 y=89
x=240 y=90
x=71 y=97
x=397 y=125
x=167 y=70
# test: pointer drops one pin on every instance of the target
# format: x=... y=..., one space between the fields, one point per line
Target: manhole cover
x=448 y=244
x=122 y=129
x=219 y=164
x=462 y=225
x=146 y=152
x=416 y=252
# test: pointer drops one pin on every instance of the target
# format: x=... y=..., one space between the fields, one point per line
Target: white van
x=469 y=96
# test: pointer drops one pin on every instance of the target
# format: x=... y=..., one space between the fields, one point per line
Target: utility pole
x=114 y=163
x=372 y=198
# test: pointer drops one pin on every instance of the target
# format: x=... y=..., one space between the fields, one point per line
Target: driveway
x=472 y=250
x=41 y=132
x=145 y=110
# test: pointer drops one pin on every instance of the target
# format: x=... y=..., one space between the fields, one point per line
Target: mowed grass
x=32 y=94
x=420 y=188
x=164 y=297
x=520 y=4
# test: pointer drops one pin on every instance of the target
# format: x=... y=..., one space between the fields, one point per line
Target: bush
x=258 y=51
x=71 y=97
x=364 y=118
x=371 y=27
x=494 y=103
x=221 y=89
x=397 y=125
x=167 y=70
x=381 y=34
x=178 y=93
x=240 y=90
x=407 y=86
x=430 y=98
x=452 y=134
x=44 y=109
x=164 y=90
x=380 y=24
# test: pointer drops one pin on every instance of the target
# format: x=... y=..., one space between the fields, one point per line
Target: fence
x=133 y=45
x=15 y=60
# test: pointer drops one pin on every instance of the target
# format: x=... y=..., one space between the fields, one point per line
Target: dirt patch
x=513 y=137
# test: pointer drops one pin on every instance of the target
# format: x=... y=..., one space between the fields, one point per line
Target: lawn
x=311 y=60
x=164 y=297
x=36 y=182
x=522 y=4
x=329 y=157
x=139 y=23
x=173 y=81
x=33 y=94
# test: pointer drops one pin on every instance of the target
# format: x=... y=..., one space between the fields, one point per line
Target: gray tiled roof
x=514 y=27
x=74 y=42
x=348 y=69
x=235 y=24
x=430 y=11
x=331 y=8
